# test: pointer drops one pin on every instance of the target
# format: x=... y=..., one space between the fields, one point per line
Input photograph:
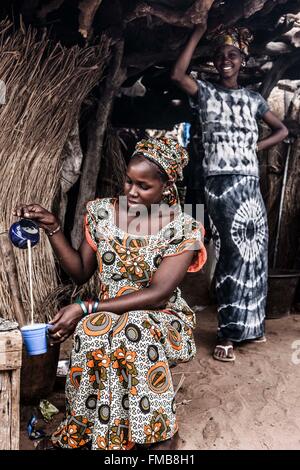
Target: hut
x=83 y=79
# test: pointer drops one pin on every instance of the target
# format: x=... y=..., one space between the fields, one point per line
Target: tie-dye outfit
x=119 y=389
x=237 y=214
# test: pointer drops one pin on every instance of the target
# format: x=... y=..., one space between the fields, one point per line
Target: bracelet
x=90 y=306
x=82 y=305
x=95 y=306
x=52 y=232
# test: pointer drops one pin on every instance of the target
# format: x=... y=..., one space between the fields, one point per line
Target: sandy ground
x=253 y=403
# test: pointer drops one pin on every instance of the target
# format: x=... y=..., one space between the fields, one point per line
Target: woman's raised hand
x=64 y=323
x=44 y=218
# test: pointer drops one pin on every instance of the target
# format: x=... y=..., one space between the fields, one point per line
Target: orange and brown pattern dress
x=119 y=389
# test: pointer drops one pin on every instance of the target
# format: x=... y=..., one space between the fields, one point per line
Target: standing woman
x=228 y=114
x=119 y=389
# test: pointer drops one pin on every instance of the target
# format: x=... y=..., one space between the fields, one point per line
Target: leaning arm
x=160 y=290
x=278 y=134
x=178 y=74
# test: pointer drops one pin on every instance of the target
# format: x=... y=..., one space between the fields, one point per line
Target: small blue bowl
x=23 y=230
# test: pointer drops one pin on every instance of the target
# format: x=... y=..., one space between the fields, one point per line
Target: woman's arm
x=178 y=74
x=78 y=264
x=160 y=290
x=279 y=131
x=155 y=296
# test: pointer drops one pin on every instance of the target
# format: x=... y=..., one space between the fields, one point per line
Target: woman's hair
x=159 y=170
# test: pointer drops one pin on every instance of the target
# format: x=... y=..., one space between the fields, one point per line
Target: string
x=30 y=278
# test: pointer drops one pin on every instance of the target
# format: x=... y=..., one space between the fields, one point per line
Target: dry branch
x=278 y=70
x=48 y=8
x=196 y=14
x=88 y=9
x=71 y=163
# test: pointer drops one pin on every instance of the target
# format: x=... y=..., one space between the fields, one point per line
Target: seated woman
x=119 y=389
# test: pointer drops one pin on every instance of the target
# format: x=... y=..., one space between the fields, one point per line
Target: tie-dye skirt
x=240 y=234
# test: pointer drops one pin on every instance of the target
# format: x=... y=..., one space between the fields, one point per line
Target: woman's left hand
x=64 y=323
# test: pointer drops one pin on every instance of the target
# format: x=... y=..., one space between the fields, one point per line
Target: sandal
x=226 y=349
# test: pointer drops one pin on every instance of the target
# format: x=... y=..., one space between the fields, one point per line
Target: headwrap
x=167 y=154
x=238 y=37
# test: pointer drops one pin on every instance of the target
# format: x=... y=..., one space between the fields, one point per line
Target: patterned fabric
x=229 y=128
x=167 y=153
x=170 y=156
x=237 y=37
x=240 y=233
x=119 y=389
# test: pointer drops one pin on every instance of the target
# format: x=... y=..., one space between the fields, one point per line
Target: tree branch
x=277 y=72
x=48 y=8
x=196 y=14
x=88 y=9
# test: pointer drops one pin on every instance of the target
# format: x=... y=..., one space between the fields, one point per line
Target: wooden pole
x=92 y=160
x=11 y=271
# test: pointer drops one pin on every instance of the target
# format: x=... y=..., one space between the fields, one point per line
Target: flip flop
x=226 y=349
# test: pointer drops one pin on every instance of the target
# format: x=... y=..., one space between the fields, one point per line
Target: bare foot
x=46 y=444
x=170 y=444
x=260 y=339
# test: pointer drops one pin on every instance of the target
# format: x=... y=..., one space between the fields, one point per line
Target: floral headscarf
x=238 y=37
x=169 y=155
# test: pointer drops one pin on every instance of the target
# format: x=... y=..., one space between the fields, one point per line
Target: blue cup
x=35 y=338
x=23 y=230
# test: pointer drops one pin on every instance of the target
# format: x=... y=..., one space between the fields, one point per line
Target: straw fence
x=45 y=86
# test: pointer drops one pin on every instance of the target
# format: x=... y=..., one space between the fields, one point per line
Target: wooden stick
x=11 y=271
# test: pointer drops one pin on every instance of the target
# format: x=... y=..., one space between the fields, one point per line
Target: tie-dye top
x=228 y=119
x=128 y=262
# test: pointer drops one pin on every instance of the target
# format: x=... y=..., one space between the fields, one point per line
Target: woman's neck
x=230 y=83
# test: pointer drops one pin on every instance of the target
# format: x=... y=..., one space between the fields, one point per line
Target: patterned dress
x=119 y=388
x=235 y=206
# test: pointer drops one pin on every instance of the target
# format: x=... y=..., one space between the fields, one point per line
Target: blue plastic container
x=35 y=338
x=23 y=230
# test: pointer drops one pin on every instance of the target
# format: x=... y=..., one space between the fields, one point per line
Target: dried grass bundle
x=113 y=166
x=45 y=86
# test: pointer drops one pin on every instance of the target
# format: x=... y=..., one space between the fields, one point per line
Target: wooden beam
x=277 y=72
x=92 y=160
x=196 y=14
x=44 y=10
